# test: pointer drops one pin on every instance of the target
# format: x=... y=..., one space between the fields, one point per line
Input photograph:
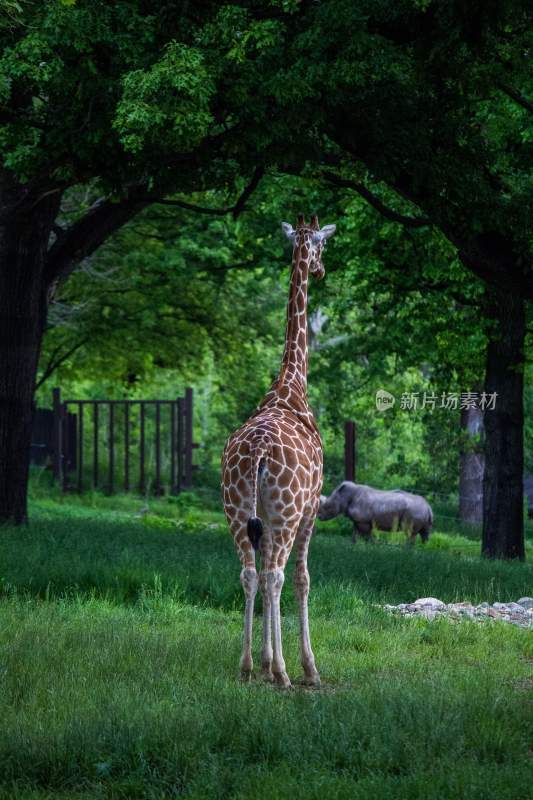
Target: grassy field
x=119 y=647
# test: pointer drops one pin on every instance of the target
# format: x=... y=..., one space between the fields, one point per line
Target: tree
x=138 y=101
x=464 y=73
x=113 y=98
x=432 y=100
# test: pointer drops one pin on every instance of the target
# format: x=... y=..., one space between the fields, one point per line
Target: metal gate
x=124 y=445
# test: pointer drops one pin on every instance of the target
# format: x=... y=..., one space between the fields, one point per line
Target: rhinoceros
x=374 y=508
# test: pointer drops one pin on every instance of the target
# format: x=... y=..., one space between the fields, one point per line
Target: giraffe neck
x=294 y=364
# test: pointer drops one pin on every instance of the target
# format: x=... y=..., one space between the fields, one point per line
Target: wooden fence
x=104 y=444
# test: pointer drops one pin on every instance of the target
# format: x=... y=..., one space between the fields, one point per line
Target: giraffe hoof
x=311 y=681
x=246 y=675
x=282 y=681
x=267 y=675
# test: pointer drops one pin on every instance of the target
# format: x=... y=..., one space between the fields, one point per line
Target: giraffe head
x=310 y=241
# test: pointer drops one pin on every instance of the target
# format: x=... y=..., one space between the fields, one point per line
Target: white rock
x=500 y=606
x=433 y=602
x=516 y=608
x=526 y=602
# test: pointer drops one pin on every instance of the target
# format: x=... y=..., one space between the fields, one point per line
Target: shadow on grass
x=106 y=555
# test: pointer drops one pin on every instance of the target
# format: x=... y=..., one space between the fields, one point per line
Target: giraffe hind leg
x=301 y=587
x=266 y=647
x=273 y=575
x=274 y=584
x=249 y=583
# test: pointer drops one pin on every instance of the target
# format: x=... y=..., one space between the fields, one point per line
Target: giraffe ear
x=288 y=231
x=324 y=233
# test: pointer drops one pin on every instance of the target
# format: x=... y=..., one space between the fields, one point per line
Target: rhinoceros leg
x=366 y=533
x=363 y=529
x=409 y=532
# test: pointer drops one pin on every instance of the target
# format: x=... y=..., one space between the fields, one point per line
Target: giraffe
x=272 y=477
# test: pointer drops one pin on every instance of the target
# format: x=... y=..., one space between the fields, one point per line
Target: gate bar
x=141 y=455
x=157 y=448
x=80 y=446
x=111 y=446
x=65 y=442
x=57 y=434
x=173 y=448
x=187 y=476
x=126 y=446
x=95 y=446
x=180 y=443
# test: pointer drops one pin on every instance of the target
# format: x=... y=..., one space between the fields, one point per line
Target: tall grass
x=119 y=646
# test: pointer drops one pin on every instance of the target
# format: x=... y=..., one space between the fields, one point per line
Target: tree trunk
x=503 y=522
x=25 y=227
x=471 y=467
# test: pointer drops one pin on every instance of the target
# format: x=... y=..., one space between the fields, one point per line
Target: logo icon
x=384 y=400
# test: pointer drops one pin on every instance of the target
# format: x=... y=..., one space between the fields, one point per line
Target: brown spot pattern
x=283 y=432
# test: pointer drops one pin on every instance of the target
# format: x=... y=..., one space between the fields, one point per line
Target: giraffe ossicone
x=272 y=476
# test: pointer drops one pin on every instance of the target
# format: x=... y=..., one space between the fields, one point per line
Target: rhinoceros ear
x=288 y=230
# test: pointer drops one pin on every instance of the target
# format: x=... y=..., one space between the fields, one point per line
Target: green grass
x=119 y=648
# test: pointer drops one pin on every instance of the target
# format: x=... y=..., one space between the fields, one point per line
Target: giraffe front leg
x=301 y=587
x=274 y=583
x=266 y=649
x=249 y=583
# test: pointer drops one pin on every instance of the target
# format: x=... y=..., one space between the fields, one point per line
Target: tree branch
x=240 y=205
x=235 y=210
x=54 y=363
x=87 y=234
x=375 y=202
x=516 y=96
x=105 y=217
x=164 y=201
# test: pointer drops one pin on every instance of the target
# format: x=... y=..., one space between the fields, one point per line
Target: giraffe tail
x=255 y=525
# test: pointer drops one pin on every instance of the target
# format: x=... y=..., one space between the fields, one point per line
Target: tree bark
x=471 y=467
x=25 y=226
x=503 y=521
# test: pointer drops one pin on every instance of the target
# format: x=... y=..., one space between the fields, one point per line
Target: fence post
x=57 y=434
x=66 y=439
x=188 y=443
x=142 y=481
x=173 y=448
x=180 y=443
x=80 y=446
x=111 y=447
x=349 y=450
x=157 y=448
x=95 y=445
x=126 y=446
